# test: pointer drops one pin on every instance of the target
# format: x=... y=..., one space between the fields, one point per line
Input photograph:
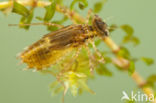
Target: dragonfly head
x=100 y=26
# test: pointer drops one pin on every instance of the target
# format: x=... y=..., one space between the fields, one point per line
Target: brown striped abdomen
x=53 y=46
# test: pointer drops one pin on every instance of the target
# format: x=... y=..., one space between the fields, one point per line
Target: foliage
x=98 y=6
x=82 y=4
x=27 y=15
x=148 y=61
x=130 y=35
x=50 y=11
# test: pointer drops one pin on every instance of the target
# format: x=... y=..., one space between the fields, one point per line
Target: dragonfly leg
x=89 y=14
x=97 y=52
x=91 y=58
x=72 y=61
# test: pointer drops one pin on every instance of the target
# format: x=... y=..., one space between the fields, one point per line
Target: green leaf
x=27 y=20
x=131 y=68
x=20 y=9
x=102 y=70
x=27 y=15
x=126 y=39
x=128 y=29
x=82 y=4
x=130 y=38
x=151 y=80
x=135 y=40
x=113 y=27
x=50 y=11
x=148 y=61
x=98 y=6
x=124 y=52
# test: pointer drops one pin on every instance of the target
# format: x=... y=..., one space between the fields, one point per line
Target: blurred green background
x=17 y=86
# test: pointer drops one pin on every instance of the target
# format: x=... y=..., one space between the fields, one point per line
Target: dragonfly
x=53 y=46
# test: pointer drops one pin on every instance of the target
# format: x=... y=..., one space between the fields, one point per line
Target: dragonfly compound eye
x=100 y=26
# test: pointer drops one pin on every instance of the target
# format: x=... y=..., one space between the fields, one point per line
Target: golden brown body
x=53 y=46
